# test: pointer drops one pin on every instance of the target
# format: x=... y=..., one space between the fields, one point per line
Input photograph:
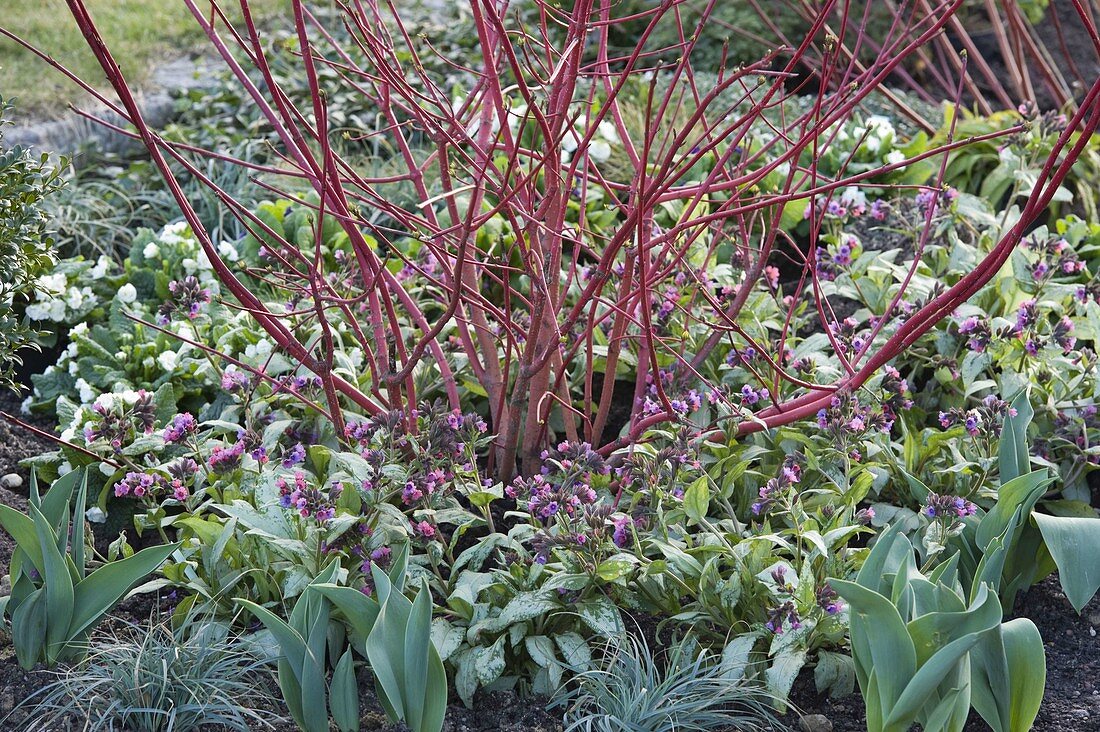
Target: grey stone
x=11 y=480
x=815 y=723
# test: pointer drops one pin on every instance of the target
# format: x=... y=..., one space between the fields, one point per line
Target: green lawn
x=139 y=32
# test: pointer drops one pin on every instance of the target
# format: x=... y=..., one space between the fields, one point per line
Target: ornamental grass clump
x=160 y=678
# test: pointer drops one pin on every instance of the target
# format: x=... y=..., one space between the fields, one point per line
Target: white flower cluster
x=876 y=136
x=599 y=147
x=57 y=300
x=178 y=239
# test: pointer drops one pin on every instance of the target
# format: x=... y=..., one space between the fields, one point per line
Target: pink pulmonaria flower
x=425 y=529
x=771 y=274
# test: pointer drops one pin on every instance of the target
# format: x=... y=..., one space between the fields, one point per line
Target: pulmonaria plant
x=118 y=419
x=187 y=298
x=564 y=505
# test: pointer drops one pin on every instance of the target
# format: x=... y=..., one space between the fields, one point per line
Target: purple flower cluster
x=929 y=199
x=1054 y=257
x=225 y=459
x=977 y=332
x=837 y=258
x=186 y=297
x=183 y=425
x=986 y=416
x=828 y=600
x=1074 y=432
x=308 y=501
x=846 y=420
x=562 y=502
x=947 y=507
x=151 y=486
x=781 y=487
x=119 y=423
x=783 y=615
x=234 y=381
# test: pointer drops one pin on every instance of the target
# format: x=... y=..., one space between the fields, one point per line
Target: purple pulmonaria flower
x=294 y=456
x=225 y=459
x=186 y=296
x=234 y=381
x=182 y=425
x=945 y=506
x=864 y=516
x=621 y=533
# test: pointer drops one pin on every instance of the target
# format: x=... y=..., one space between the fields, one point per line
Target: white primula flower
x=129 y=396
x=151 y=250
x=74 y=299
x=228 y=251
x=79 y=329
x=100 y=269
x=184 y=330
x=853 y=197
x=168 y=360
x=260 y=349
x=57 y=310
x=880 y=123
x=87 y=393
x=38 y=311
x=608 y=132
x=104 y=401
x=894 y=157
x=599 y=151
x=25 y=405
x=64 y=468
x=52 y=283
x=74 y=368
x=127 y=294
x=190 y=266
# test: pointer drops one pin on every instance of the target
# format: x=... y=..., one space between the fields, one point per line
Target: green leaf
x=880 y=641
x=697 y=499
x=1022 y=493
x=574 y=651
x=28 y=628
x=783 y=670
x=418 y=643
x=101 y=590
x=927 y=678
x=1074 y=543
x=386 y=644
x=21 y=529
x=58 y=584
x=1027 y=672
x=1014 y=458
x=602 y=616
x=344 y=694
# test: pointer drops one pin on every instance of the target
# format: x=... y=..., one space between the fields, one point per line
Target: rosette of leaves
x=26 y=246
